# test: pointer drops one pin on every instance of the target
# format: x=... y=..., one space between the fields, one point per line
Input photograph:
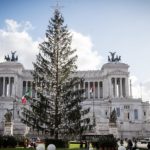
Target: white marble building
x=106 y=89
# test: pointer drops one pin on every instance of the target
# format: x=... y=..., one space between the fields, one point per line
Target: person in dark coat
x=130 y=145
x=148 y=146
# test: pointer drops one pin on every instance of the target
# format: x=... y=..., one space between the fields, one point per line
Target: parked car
x=145 y=140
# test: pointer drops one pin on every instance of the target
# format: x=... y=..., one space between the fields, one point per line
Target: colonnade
x=7 y=88
x=28 y=85
x=119 y=87
x=93 y=89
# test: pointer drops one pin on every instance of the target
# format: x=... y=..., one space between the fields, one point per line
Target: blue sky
x=98 y=27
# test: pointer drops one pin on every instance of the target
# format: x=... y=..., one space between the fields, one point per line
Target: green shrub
x=8 y=141
x=106 y=141
x=1 y=140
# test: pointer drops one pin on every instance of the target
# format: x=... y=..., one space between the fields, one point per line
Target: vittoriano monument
x=111 y=89
x=12 y=57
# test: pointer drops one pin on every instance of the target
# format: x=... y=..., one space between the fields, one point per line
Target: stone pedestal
x=113 y=129
x=8 y=128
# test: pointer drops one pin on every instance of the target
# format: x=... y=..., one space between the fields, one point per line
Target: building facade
x=105 y=90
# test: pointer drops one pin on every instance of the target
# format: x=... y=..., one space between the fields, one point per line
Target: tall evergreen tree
x=58 y=106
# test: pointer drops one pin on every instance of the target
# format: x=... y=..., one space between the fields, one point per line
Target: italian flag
x=23 y=100
x=26 y=97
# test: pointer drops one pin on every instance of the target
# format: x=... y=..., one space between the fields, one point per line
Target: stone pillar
x=94 y=90
x=84 y=88
x=120 y=87
x=113 y=130
x=98 y=91
x=8 y=128
x=26 y=86
x=88 y=90
x=8 y=87
x=101 y=89
x=123 y=87
x=13 y=87
x=127 y=87
x=115 y=87
x=110 y=90
x=3 y=86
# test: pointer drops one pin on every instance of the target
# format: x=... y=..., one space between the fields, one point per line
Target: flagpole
x=14 y=103
x=92 y=95
x=93 y=113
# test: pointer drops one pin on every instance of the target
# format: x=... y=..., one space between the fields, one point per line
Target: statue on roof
x=112 y=58
x=12 y=58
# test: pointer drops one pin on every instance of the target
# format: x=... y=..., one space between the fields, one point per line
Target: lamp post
x=94 y=121
x=14 y=104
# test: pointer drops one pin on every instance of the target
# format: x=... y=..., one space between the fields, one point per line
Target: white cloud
x=136 y=88
x=15 y=37
x=88 y=59
x=146 y=90
x=140 y=90
x=13 y=26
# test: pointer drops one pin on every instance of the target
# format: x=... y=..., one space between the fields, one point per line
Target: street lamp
x=94 y=120
x=14 y=102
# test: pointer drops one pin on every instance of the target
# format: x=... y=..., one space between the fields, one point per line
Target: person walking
x=148 y=146
x=130 y=145
x=135 y=145
x=121 y=147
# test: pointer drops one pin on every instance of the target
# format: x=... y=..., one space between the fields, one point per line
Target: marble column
x=115 y=86
x=111 y=87
x=8 y=89
x=98 y=93
x=101 y=89
x=127 y=87
x=88 y=90
x=120 y=87
x=26 y=86
x=94 y=89
x=10 y=86
x=3 y=86
x=84 y=88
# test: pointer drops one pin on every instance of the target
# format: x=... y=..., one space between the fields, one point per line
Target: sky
x=98 y=27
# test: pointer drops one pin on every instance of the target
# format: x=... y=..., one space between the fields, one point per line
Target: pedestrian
x=90 y=146
x=135 y=144
x=121 y=147
x=86 y=145
x=81 y=144
x=148 y=146
x=130 y=144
